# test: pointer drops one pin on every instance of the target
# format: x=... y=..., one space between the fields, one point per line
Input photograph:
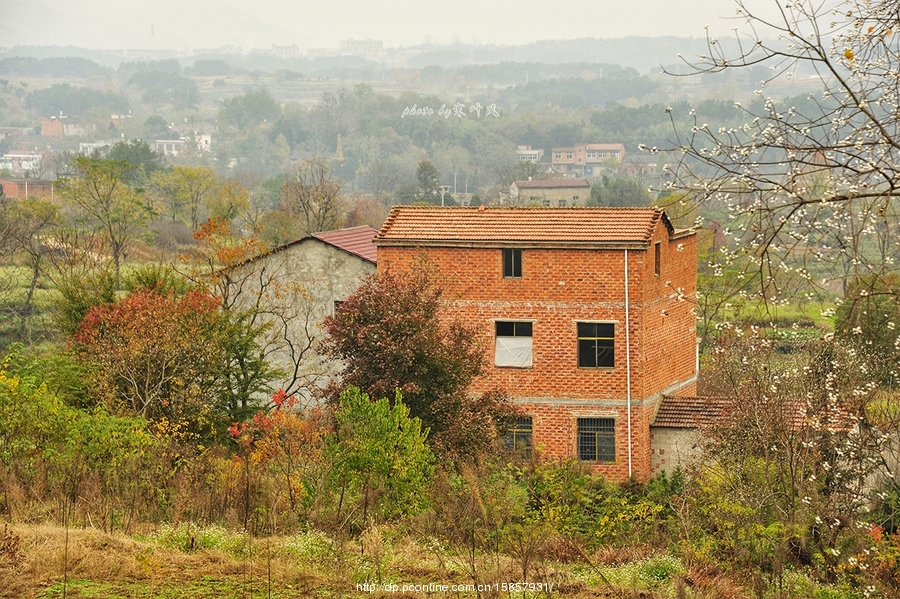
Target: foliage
x=810 y=184
x=620 y=191
x=249 y=110
x=142 y=158
x=109 y=205
x=379 y=463
x=391 y=335
x=62 y=98
x=313 y=195
x=429 y=183
x=869 y=315
x=55 y=449
x=171 y=359
x=785 y=481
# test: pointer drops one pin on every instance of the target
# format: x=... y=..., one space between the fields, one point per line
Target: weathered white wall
x=296 y=288
x=672 y=447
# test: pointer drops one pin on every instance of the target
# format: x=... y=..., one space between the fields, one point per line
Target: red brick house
x=587 y=315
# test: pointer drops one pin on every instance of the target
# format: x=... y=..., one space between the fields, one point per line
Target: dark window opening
x=512 y=263
x=518 y=435
x=596 y=345
x=597 y=439
x=656 y=256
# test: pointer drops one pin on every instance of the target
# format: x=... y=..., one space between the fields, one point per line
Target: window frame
x=518 y=429
x=596 y=439
x=512 y=263
x=596 y=337
x=519 y=329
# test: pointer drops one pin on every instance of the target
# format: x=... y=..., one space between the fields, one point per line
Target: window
x=597 y=439
x=557 y=155
x=569 y=155
x=591 y=154
x=563 y=203
x=546 y=203
x=512 y=346
x=518 y=435
x=657 y=267
x=512 y=263
x=596 y=342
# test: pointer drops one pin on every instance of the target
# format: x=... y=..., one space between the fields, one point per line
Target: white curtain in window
x=513 y=351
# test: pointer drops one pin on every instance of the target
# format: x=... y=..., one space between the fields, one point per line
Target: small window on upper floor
x=512 y=263
x=657 y=257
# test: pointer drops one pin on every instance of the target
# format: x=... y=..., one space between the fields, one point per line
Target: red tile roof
x=427 y=225
x=356 y=240
x=692 y=412
x=706 y=412
x=553 y=184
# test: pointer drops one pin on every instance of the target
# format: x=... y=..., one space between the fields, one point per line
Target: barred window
x=597 y=439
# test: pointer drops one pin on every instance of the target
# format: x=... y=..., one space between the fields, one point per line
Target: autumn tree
x=312 y=194
x=184 y=191
x=108 y=204
x=789 y=466
x=171 y=357
x=392 y=335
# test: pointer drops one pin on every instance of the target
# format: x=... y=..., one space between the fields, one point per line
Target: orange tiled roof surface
x=411 y=224
x=356 y=240
x=692 y=412
x=553 y=184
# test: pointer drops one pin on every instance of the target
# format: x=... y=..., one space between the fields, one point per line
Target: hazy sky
x=212 y=23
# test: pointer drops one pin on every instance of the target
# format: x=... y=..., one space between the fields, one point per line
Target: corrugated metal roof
x=356 y=240
x=455 y=225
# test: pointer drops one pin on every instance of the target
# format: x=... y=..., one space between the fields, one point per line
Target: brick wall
x=558 y=288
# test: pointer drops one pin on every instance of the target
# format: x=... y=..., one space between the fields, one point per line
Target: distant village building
x=63 y=126
x=527 y=154
x=21 y=165
x=286 y=52
x=367 y=48
x=556 y=193
x=585 y=160
x=19 y=189
x=174 y=147
x=94 y=148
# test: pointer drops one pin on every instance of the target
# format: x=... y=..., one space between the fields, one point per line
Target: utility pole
x=444 y=189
